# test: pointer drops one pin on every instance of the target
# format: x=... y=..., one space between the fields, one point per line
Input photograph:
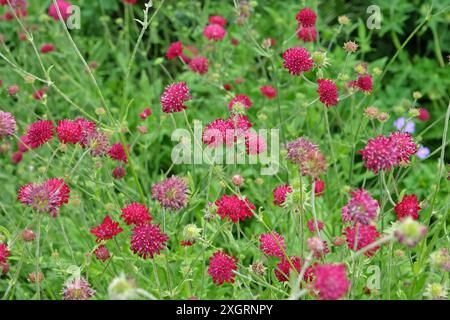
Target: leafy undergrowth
x=112 y=112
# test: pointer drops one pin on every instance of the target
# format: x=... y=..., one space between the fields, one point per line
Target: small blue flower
x=423 y=153
x=401 y=126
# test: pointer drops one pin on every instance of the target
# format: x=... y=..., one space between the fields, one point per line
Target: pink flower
x=175 y=50
x=214 y=32
x=13 y=90
x=64 y=8
x=331 y=281
x=364 y=83
x=117 y=152
x=404 y=144
x=268 y=91
x=279 y=194
x=297 y=60
x=233 y=208
x=306 y=18
x=77 y=289
x=4 y=253
x=16 y=157
x=118 y=172
x=241 y=99
x=218 y=132
x=69 y=131
x=408 y=207
x=199 y=65
x=217 y=20
x=380 y=153
x=283 y=269
x=328 y=92
x=107 y=230
x=367 y=234
x=312 y=225
x=319 y=248
x=424 y=115
x=47 y=47
x=171 y=193
x=361 y=208
x=145 y=113
x=147 y=240
x=272 y=244
x=102 y=253
x=98 y=143
x=88 y=128
x=7 y=124
x=221 y=267
x=136 y=213
x=254 y=143
x=39 y=133
x=174 y=97
x=319 y=187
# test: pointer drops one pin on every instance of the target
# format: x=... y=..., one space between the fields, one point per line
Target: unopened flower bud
x=237 y=180
x=28 y=235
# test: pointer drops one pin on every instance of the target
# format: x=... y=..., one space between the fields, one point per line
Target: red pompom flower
x=221 y=267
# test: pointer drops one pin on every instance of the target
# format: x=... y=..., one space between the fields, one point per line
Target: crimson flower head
x=199 y=65
x=364 y=83
x=233 y=208
x=69 y=131
x=46 y=197
x=312 y=225
x=63 y=7
x=283 y=269
x=254 y=143
x=4 y=253
x=7 y=124
x=408 y=207
x=39 y=133
x=214 y=32
x=268 y=91
x=102 y=253
x=136 y=213
x=404 y=144
x=328 y=92
x=240 y=100
x=380 y=153
x=171 y=193
x=272 y=244
x=174 y=97
x=307 y=34
x=279 y=194
x=319 y=187
x=108 y=229
x=117 y=152
x=361 y=208
x=88 y=128
x=306 y=17
x=147 y=240
x=147 y=112
x=424 y=115
x=215 y=133
x=119 y=172
x=297 y=60
x=175 y=49
x=47 y=47
x=221 y=267
x=331 y=281
x=367 y=235
x=218 y=20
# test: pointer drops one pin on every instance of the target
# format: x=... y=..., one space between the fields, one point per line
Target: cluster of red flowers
x=233 y=208
x=306 y=30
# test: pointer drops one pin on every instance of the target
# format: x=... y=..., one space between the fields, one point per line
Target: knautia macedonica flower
x=77 y=289
x=46 y=197
x=147 y=240
x=408 y=207
x=297 y=60
x=199 y=65
x=297 y=150
x=88 y=128
x=312 y=225
x=309 y=158
x=174 y=97
x=404 y=144
x=218 y=20
x=239 y=103
x=306 y=17
x=7 y=124
x=39 y=133
x=98 y=143
x=136 y=213
x=328 y=92
x=319 y=187
x=102 y=253
x=175 y=50
x=268 y=91
x=215 y=133
x=284 y=268
x=380 y=153
x=364 y=83
x=119 y=172
x=365 y=235
x=117 y=152
x=221 y=267
x=319 y=248
x=254 y=143
x=272 y=244
x=4 y=253
x=424 y=115
x=307 y=34
x=47 y=48
x=279 y=194
x=361 y=208
x=331 y=281
x=233 y=208
x=214 y=32
x=107 y=230
x=409 y=231
x=64 y=8
x=257 y=268
x=69 y=131
x=171 y=193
